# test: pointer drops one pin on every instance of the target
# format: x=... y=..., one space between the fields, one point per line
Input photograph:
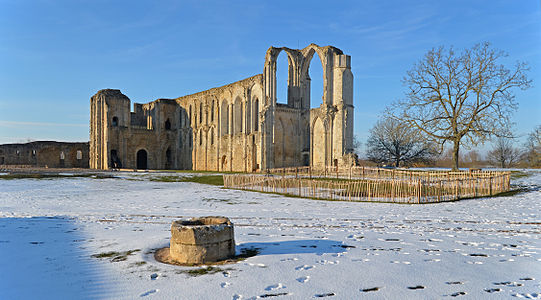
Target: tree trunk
x=456 y=148
x=397 y=163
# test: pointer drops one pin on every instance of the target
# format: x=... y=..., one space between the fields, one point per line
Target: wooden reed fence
x=381 y=173
x=395 y=190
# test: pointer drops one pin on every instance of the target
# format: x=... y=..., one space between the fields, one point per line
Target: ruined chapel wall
x=46 y=153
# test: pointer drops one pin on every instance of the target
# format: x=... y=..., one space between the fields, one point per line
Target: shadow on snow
x=44 y=258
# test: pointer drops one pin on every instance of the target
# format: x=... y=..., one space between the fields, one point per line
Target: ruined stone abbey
x=236 y=127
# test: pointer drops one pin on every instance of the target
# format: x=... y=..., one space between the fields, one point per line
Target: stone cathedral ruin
x=236 y=127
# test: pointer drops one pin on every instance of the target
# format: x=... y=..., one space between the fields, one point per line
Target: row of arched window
x=233 y=118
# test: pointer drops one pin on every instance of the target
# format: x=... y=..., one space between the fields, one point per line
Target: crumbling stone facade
x=237 y=127
x=45 y=154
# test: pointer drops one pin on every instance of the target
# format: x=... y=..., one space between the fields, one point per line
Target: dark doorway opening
x=142 y=159
x=168 y=159
x=305 y=160
x=115 y=160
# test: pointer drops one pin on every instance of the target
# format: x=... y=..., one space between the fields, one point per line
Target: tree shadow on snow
x=44 y=258
x=295 y=247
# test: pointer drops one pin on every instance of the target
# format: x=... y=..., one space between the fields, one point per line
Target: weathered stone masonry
x=237 y=127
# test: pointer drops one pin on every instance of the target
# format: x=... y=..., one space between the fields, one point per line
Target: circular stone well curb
x=200 y=241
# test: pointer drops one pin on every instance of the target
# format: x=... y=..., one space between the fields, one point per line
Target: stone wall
x=237 y=127
x=46 y=154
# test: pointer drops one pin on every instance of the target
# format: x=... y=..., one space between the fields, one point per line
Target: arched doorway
x=142 y=159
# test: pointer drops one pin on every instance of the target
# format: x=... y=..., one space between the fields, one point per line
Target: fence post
x=419 y=192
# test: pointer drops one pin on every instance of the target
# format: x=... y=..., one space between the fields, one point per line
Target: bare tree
x=456 y=98
x=503 y=153
x=393 y=142
x=532 y=152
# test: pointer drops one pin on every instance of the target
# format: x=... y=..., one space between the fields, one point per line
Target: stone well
x=202 y=240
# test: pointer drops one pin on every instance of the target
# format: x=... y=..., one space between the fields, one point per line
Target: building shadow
x=45 y=258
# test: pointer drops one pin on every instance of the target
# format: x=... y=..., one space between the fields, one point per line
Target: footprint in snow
x=225 y=284
x=289 y=259
x=526 y=278
x=149 y=292
x=324 y=295
x=327 y=262
x=275 y=287
x=508 y=283
x=236 y=297
x=457 y=294
x=374 y=289
x=455 y=282
x=304 y=267
x=397 y=262
x=303 y=279
x=417 y=287
x=493 y=290
x=528 y=296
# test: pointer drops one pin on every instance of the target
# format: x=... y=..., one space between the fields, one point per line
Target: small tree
x=393 y=142
x=532 y=152
x=503 y=153
x=461 y=97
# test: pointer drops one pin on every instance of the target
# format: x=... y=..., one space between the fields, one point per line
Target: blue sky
x=54 y=55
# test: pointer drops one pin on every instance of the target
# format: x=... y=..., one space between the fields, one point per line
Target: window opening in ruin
x=256 y=115
x=62 y=156
x=180 y=140
x=33 y=153
x=142 y=159
x=114 y=123
x=18 y=152
x=212 y=136
x=212 y=112
x=200 y=112
x=237 y=116
x=190 y=116
x=79 y=154
x=247 y=120
x=224 y=118
x=167 y=124
x=190 y=140
x=282 y=76
x=1 y=160
x=200 y=137
x=315 y=72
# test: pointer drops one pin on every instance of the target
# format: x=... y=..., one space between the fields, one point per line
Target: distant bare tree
x=393 y=142
x=472 y=157
x=532 y=153
x=356 y=145
x=503 y=153
x=456 y=98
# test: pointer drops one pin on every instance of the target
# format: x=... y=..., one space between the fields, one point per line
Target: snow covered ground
x=53 y=230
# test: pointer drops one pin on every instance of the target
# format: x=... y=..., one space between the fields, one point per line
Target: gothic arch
x=237 y=116
x=224 y=118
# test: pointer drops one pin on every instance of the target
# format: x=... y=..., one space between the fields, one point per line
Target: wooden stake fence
x=404 y=189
